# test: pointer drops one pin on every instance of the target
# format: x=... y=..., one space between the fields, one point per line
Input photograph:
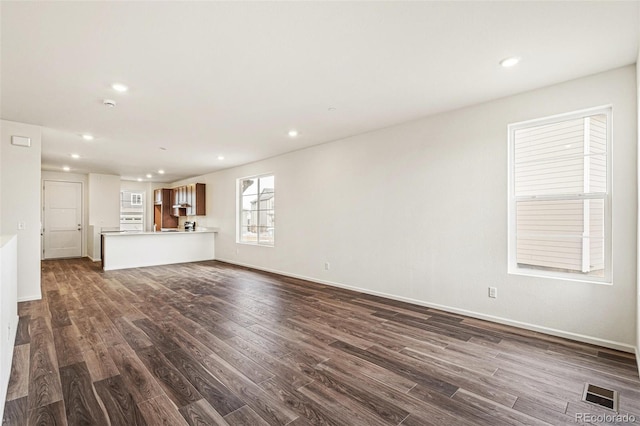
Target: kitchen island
x=121 y=250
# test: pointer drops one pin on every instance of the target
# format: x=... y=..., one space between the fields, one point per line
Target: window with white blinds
x=559 y=196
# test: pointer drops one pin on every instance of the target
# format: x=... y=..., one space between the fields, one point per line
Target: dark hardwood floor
x=209 y=343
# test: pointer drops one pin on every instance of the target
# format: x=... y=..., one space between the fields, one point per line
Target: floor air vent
x=600 y=396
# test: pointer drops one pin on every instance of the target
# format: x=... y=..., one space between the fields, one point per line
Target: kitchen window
x=256 y=206
x=560 y=196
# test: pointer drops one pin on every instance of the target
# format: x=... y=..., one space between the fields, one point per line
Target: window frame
x=136 y=199
x=239 y=210
x=513 y=267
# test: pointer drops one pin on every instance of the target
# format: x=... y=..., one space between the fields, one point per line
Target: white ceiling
x=231 y=78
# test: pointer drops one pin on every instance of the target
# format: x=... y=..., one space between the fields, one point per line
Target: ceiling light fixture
x=220 y=157
x=139 y=179
x=75 y=156
x=66 y=168
x=331 y=109
x=87 y=137
x=110 y=103
x=161 y=172
x=293 y=133
x=119 y=87
x=510 y=62
x=149 y=175
x=162 y=148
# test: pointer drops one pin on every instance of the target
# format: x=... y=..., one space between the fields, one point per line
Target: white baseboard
x=30 y=298
x=94 y=260
x=506 y=321
x=638 y=358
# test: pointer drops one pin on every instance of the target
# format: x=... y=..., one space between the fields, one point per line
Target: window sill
x=255 y=244
x=558 y=276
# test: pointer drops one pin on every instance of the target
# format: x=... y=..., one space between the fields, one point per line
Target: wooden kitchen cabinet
x=162 y=209
x=198 y=199
x=189 y=200
x=157 y=196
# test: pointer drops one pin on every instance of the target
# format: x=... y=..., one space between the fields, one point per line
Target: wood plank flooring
x=213 y=344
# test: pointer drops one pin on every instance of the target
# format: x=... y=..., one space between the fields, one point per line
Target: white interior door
x=62 y=219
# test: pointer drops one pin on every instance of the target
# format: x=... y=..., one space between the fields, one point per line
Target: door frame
x=83 y=233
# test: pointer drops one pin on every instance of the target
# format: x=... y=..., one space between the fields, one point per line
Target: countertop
x=163 y=232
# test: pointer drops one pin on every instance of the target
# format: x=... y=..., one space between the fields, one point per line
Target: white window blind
x=559 y=197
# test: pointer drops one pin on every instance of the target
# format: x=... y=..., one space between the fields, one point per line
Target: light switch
x=22 y=226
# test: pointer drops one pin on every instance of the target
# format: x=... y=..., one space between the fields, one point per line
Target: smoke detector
x=109 y=103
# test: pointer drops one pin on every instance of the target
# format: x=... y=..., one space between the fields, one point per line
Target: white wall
x=8 y=309
x=419 y=212
x=638 y=260
x=104 y=207
x=1 y=126
x=20 y=170
x=74 y=177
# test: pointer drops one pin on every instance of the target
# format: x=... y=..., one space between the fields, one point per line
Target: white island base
x=121 y=250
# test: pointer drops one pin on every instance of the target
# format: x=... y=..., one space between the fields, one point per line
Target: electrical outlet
x=493 y=292
x=327 y=266
x=22 y=226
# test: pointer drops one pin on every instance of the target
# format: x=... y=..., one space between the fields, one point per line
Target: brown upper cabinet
x=189 y=200
x=157 y=196
x=162 y=209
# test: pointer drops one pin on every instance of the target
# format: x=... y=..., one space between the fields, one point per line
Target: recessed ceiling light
x=162 y=148
x=220 y=157
x=510 y=62
x=110 y=103
x=161 y=172
x=87 y=137
x=66 y=168
x=331 y=109
x=149 y=175
x=119 y=87
x=75 y=156
x=293 y=133
x=139 y=179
